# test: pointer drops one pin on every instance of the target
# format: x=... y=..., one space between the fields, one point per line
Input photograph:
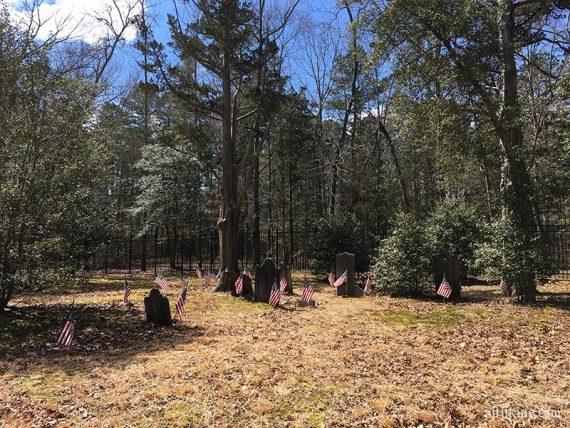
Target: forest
x=203 y=143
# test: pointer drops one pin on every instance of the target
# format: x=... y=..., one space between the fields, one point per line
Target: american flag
x=161 y=282
x=444 y=289
x=239 y=285
x=308 y=291
x=209 y=278
x=283 y=284
x=331 y=279
x=67 y=333
x=199 y=273
x=341 y=279
x=183 y=282
x=504 y=287
x=275 y=295
x=368 y=286
x=127 y=290
x=180 y=305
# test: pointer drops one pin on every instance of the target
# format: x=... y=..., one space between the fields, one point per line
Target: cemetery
x=285 y=213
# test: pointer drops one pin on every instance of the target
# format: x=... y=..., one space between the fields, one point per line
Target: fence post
x=155 y=248
x=211 y=249
x=106 y=255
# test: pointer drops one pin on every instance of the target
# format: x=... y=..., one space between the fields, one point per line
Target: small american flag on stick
x=65 y=337
x=199 y=273
x=444 y=289
x=283 y=284
x=127 y=292
x=341 y=279
x=368 y=285
x=161 y=282
x=504 y=287
x=275 y=295
x=209 y=278
x=239 y=285
x=308 y=291
x=180 y=305
x=183 y=282
x=331 y=279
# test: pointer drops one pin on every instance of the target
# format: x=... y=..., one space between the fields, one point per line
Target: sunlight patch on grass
x=402 y=318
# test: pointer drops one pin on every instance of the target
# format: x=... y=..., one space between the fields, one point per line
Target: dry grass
x=370 y=362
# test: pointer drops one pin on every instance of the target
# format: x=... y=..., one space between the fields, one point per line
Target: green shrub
x=504 y=255
x=403 y=266
x=454 y=229
x=334 y=235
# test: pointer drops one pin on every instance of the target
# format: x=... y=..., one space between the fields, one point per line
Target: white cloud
x=78 y=18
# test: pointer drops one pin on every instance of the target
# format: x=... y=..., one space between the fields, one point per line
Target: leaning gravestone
x=157 y=308
x=345 y=262
x=286 y=273
x=449 y=266
x=265 y=275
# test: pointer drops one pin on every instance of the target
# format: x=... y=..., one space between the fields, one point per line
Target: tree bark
x=228 y=223
x=515 y=180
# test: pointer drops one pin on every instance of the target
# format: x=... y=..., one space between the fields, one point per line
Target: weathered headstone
x=157 y=308
x=345 y=262
x=449 y=266
x=303 y=304
x=265 y=275
x=286 y=273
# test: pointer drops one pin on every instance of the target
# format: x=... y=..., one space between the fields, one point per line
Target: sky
x=80 y=20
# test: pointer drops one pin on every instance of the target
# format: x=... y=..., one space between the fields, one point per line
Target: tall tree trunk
x=228 y=223
x=515 y=180
x=256 y=213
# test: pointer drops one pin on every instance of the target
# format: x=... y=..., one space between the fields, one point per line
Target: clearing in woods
x=375 y=361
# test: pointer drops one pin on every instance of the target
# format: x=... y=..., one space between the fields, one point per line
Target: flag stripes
x=65 y=337
x=331 y=279
x=505 y=287
x=341 y=279
x=275 y=295
x=308 y=291
x=127 y=292
x=444 y=289
x=239 y=285
x=161 y=282
x=180 y=305
x=209 y=278
x=283 y=284
x=368 y=286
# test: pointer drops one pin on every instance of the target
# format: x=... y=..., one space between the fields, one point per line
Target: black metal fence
x=555 y=241
x=187 y=252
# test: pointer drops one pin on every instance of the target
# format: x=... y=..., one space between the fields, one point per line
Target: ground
x=374 y=361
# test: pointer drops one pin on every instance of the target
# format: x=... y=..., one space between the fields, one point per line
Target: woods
x=284 y=213
x=261 y=117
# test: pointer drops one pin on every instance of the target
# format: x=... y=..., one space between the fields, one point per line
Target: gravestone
x=303 y=304
x=265 y=275
x=157 y=308
x=247 y=287
x=286 y=273
x=345 y=262
x=449 y=266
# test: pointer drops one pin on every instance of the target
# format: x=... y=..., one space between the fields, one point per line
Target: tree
x=479 y=51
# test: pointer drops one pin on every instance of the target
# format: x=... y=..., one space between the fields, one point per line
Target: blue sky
x=76 y=18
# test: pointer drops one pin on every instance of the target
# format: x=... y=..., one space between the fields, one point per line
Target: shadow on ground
x=104 y=332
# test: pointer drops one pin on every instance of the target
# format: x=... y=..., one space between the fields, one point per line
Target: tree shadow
x=105 y=333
